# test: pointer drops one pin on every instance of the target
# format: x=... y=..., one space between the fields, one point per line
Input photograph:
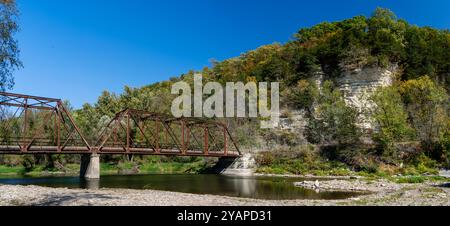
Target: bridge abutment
x=242 y=166
x=90 y=166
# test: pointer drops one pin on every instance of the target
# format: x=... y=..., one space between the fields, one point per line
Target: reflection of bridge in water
x=39 y=125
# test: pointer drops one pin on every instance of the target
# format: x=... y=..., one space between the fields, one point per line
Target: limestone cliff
x=356 y=85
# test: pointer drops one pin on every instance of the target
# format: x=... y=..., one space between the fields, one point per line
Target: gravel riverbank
x=382 y=192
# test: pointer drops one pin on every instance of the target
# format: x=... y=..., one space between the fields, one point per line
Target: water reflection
x=92 y=184
x=251 y=187
x=246 y=187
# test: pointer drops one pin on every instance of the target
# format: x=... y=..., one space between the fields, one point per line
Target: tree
x=445 y=142
x=333 y=122
x=354 y=57
x=107 y=104
x=316 y=33
x=427 y=52
x=86 y=118
x=386 y=36
x=9 y=50
x=301 y=96
x=427 y=105
x=391 y=118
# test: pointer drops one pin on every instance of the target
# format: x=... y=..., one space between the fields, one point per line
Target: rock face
x=295 y=122
x=358 y=85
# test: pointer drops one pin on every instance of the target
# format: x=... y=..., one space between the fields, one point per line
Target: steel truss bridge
x=40 y=125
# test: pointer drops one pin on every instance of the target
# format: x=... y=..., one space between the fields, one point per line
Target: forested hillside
x=412 y=132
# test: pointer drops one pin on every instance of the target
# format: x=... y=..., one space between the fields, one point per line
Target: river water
x=250 y=187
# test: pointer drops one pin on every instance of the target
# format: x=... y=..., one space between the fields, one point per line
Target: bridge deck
x=16 y=150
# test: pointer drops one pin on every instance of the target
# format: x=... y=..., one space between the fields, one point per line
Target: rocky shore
x=379 y=192
x=350 y=185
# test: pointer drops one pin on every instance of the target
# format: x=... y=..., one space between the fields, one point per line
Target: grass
x=153 y=167
x=107 y=168
x=111 y=169
x=298 y=167
x=172 y=167
x=9 y=170
x=36 y=171
x=411 y=180
x=147 y=166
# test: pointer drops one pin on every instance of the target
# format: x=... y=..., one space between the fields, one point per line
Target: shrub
x=411 y=179
x=369 y=167
x=265 y=159
x=424 y=160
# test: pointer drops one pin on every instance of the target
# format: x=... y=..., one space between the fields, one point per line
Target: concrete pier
x=243 y=166
x=90 y=166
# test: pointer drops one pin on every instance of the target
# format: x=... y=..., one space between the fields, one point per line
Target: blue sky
x=75 y=49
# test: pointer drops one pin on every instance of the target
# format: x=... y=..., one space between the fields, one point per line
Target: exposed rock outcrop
x=358 y=85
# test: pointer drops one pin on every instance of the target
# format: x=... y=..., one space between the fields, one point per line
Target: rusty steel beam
x=119 y=136
x=50 y=107
x=72 y=122
x=29 y=97
x=177 y=133
x=80 y=151
x=28 y=106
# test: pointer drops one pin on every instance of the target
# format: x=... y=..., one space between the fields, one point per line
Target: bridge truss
x=39 y=125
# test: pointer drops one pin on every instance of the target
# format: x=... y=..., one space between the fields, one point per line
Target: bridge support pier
x=90 y=166
x=242 y=166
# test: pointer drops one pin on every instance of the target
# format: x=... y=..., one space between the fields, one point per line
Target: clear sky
x=75 y=49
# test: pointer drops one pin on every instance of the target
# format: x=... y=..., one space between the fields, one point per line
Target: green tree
x=445 y=142
x=302 y=62
x=301 y=96
x=107 y=104
x=333 y=122
x=86 y=118
x=9 y=49
x=391 y=119
x=427 y=52
x=386 y=36
x=427 y=105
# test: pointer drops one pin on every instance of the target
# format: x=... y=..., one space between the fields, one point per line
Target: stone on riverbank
x=382 y=193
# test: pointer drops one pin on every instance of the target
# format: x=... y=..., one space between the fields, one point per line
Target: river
x=259 y=187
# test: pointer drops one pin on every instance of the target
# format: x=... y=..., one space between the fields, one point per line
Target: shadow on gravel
x=444 y=185
x=77 y=199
